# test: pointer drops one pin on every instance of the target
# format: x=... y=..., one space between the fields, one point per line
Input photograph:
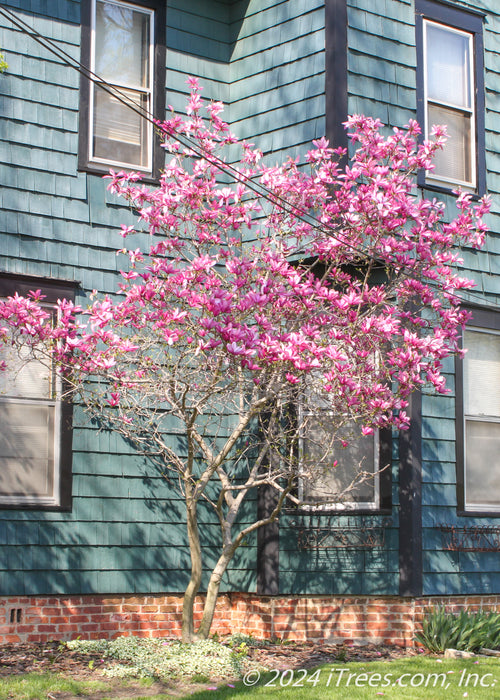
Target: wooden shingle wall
x=381 y=83
x=124 y=532
x=277 y=75
x=382 y=63
x=265 y=60
x=462 y=572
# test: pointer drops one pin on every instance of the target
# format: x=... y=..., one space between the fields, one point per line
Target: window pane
x=122 y=39
x=482 y=374
x=454 y=161
x=31 y=380
x=26 y=449
x=319 y=455
x=482 y=485
x=120 y=134
x=448 y=61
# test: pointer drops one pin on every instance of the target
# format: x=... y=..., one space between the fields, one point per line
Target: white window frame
x=53 y=500
x=120 y=87
x=467 y=417
x=430 y=175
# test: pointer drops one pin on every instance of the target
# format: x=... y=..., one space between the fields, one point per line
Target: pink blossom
x=193 y=83
x=234 y=289
x=115 y=399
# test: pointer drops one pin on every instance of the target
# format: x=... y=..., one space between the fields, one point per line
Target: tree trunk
x=193 y=586
x=213 y=592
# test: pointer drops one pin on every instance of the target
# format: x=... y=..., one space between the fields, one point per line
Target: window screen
x=481 y=381
x=334 y=475
x=122 y=57
x=336 y=471
x=29 y=439
x=449 y=90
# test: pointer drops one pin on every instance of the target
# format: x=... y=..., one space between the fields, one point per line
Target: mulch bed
x=295 y=655
x=53 y=657
x=57 y=658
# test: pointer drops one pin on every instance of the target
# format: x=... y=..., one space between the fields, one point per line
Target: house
x=91 y=543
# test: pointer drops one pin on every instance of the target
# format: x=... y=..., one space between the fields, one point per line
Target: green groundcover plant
x=143 y=658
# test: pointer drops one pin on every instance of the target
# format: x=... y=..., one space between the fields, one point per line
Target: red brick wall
x=389 y=620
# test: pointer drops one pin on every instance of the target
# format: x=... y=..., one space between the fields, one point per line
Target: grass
x=34 y=686
x=413 y=678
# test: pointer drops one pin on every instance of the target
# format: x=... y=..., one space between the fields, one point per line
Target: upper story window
x=450 y=91
x=122 y=55
x=35 y=440
x=123 y=47
x=478 y=416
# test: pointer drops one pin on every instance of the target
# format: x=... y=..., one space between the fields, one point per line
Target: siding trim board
x=410 y=502
x=336 y=72
x=268 y=544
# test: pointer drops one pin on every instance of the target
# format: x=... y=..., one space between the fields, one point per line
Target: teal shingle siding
x=265 y=59
x=452 y=572
x=381 y=83
x=277 y=75
x=123 y=533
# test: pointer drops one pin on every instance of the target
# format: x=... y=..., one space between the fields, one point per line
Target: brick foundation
x=388 y=620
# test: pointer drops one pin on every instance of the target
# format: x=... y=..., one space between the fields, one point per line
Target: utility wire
x=257 y=188
x=122 y=97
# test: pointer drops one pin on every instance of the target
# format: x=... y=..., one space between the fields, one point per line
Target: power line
x=259 y=189
x=122 y=97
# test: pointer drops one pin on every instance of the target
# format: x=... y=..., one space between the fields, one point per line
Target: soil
x=53 y=657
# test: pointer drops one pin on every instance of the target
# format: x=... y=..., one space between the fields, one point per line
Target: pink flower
x=193 y=83
x=194 y=104
x=115 y=399
x=125 y=230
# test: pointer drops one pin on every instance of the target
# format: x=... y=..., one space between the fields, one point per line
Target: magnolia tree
x=261 y=291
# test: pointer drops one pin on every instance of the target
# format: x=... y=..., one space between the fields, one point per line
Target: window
x=337 y=470
x=450 y=91
x=478 y=416
x=122 y=46
x=35 y=441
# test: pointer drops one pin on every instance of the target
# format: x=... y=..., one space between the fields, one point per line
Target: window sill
x=441 y=189
x=478 y=513
x=339 y=512
x=102 y=170
x=66 y=508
